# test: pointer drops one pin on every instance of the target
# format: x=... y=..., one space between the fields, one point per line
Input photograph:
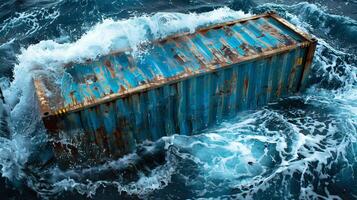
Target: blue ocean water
x=302 y=147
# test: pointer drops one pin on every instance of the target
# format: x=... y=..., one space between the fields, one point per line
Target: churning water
x=300 y=147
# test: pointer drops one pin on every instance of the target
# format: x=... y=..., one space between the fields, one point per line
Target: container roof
x=168 y=60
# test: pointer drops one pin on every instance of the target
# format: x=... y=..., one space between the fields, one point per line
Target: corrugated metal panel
x=184 y=84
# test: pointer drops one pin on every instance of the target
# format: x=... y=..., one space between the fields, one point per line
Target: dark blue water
x=303 y=147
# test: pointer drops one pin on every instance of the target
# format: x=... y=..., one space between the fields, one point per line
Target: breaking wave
x=299 y=147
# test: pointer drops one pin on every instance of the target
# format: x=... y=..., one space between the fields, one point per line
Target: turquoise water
x=303 y=147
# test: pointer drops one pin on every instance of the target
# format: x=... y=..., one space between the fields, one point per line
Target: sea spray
x=300 y=147
x=50 y=57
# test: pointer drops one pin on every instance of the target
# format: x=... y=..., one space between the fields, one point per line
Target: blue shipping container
x=184 y=84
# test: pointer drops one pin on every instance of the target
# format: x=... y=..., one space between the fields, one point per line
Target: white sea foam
x=105 y=37
x=242 y=153
x=49 y=57
x=29 y=21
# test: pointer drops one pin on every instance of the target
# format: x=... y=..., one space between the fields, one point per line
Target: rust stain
x=90 y=79
x=228 y=31
x=257 y=40
x=218 y=57
x=188 y=70
x=42 y=98
x=274 y=32
x=180 y=58
x=198 y=56
x=246 y=48
x=118 y=135
x=246 y=84
x=203 y=32
x=218 y=27
x=73 y=98
x=228 y=52
x=110 y=67
x=200 y=60
x=104 y=139
x=158 y=78
x=101 y=140
x=230 y=85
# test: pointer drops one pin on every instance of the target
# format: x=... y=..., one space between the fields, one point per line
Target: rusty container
x=184 y=83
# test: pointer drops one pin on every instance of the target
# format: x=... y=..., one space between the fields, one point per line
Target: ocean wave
x=27 y=22
x=334 y=64
x=299 y=147
x=336 y=29
x=49 y=57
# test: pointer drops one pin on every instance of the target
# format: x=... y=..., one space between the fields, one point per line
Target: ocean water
x=302 y=147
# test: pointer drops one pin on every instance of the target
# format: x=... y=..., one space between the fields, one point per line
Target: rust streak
x=122 y=89
x=118 y=138
x=246 y=84
x=157 y=82
x=277 y=34
x=110 y=67
x=180 y=58
x=228 y=51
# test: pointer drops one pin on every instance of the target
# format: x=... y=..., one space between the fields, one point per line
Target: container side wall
x=185 y=107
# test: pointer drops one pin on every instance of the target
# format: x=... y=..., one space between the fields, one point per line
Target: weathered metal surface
x=185 y=83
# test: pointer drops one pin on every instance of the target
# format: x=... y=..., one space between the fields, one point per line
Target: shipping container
x=184 y=83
